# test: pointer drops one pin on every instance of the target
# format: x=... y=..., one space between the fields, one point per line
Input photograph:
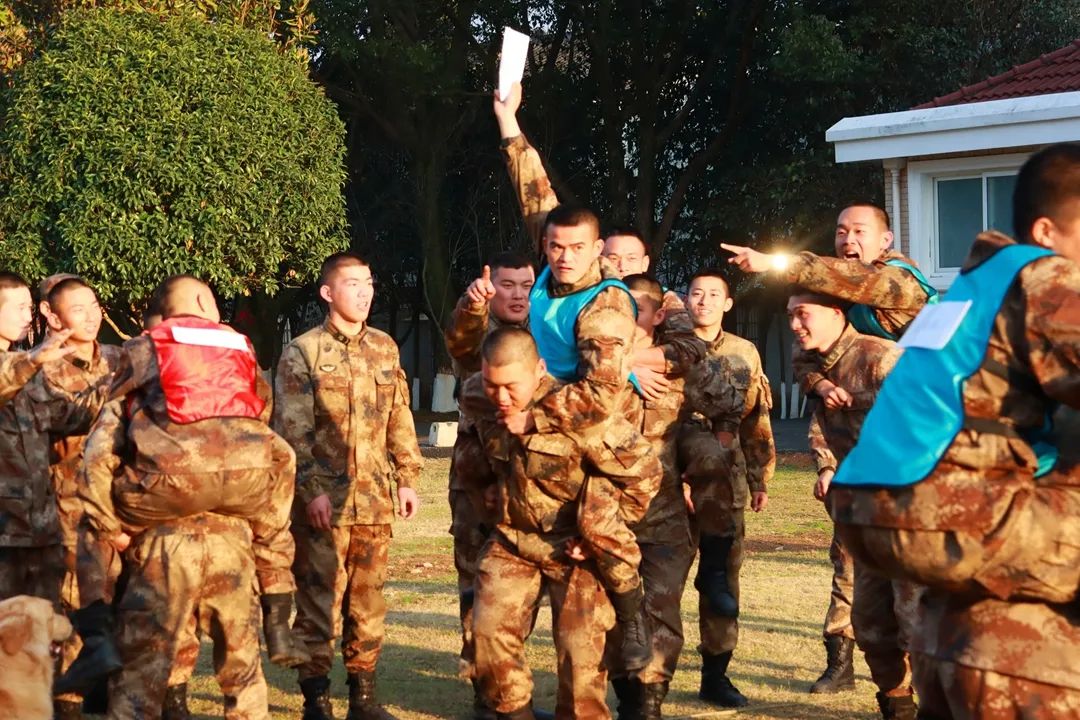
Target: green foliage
x=137 y=146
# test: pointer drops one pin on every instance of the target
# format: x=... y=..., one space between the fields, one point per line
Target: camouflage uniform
x=998 y=660
x=979 y=522
x=893 y=293
x=883 y=611
x=730 y=391
x=31 y=553
x=200 y=569
x=540 y=478
x=343 y=405
x=682 y=348
x=74 y=375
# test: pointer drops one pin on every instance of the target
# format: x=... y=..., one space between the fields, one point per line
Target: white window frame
x=922 y=204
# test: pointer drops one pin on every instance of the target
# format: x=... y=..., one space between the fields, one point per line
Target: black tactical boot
x=839 y=674
x=653 y=695
x=282 y=647
x=897 y=708
x=636 y=648
x=316 y=692
x=67 y=710
x=362 y=705
x=175 y=706
x=481 y=709
x=98 y=657
x=525 y=713
x=716 y=688
x=96 y=702
x=628 y=691
x=712 y=580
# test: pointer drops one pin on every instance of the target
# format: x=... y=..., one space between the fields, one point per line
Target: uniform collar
x=591 y=277
x=841 y=346
x=340 y=336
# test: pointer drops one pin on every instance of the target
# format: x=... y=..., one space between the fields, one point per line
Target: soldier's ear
x=324 y=293
x=887 y=240
x=541 y=368
x=728 y=304
x=658 y=318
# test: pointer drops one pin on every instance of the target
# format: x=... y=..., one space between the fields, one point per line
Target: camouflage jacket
x=859 y=364
x=893 y=293
x=536 y=197
x=31 y=416
x=74 y=375
x=1031 y=363
x=666 y=521
x=540 y=476
x=731 y=378
x=465 y=334
x=343 y=405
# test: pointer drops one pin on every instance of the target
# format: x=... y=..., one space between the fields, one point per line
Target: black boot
x=636 y=648
x=897 y=708
x=98 y=657
x=481 y=709
x=67 y=710
x=362 y=705
x=628 y=691
x=712 y=580
x=96 y=702
x=175 y=707
x=283 y=649
x=525 y=713
x=316 y=692
x=653 y=695
x=716 y=688
x=839 y=674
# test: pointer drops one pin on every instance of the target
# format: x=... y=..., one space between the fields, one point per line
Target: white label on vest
x=208 y=337
x=935 y=325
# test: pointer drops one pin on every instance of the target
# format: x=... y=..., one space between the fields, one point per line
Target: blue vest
x=862 y=317
x=920 y=408
x=553 y=320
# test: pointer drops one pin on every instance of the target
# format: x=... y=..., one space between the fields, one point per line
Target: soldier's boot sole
x=67 y=710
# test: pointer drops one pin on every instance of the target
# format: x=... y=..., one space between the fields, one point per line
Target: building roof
x=1055 y=72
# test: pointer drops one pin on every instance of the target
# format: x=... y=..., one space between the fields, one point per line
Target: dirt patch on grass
x=804 y=542
x=421 y=566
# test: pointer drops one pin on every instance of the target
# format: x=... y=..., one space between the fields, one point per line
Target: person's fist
x=510 y=105
x=319 y=512
x=834 y=396
x=408 y=503
x=481 y=290
x=821 y=487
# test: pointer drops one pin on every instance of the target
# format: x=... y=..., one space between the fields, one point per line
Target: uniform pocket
x=549 y=462
x=385 y=386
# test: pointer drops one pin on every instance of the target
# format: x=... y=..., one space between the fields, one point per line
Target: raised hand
x=52 y=348
x=747 y=259
x=481 y=290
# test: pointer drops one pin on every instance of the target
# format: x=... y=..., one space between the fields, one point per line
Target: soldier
x=190 y=437
x=68 y=303
x=499 y=297
x=945 y=485
x=533 y=485
x=719 y=498
x=883 y=613
x=343 y=404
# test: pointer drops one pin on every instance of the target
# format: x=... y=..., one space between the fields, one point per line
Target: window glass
x=959 y=219
x=999 y=192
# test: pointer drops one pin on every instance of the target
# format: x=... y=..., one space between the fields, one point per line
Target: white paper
x=935 y=325
x=515 y=49
x=209 y=337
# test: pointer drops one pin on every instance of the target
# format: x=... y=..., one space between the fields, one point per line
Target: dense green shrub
x=138 y=145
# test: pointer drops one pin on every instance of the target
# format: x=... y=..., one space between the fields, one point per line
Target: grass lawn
x=785 y=590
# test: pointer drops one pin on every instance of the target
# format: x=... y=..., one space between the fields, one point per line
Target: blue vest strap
x=863 y=318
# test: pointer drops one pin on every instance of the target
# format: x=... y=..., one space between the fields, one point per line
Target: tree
x=137 y=146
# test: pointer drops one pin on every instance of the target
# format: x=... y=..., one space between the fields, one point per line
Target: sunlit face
x=76 y=309
x=861 y=235
x=511 y=387
x=626 y=254
x=816 y=327
x=571 y=251
x=349 y=292
x=1062 y=237
x=649 y=314
x=512 y=286
x=707 y=302
x=16 y=313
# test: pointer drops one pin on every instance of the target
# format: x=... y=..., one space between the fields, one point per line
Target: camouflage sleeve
x=468 y=326
x=756 y=436
x=473 y=468
x=710 y=393
x=605 y=341
x=879 y=286
x=823 y=456
x=531 y=184
x=628 y=460
x=401 y=436
x=102 y=457
x=63 y=412
x=294 y=419
x=16 y=369
x=1052 y=323
x=682 y=348
x=807 y=371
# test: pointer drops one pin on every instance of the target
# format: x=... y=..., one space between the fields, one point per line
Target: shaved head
x=508 y=345
x=185 y=295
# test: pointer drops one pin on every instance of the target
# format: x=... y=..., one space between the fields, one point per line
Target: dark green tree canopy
x=137 y=146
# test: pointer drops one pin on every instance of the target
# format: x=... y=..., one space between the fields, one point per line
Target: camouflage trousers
x=508 y=591
x=721 y=634
x=838 y=616
x=607 y=538
x=1033 y=553
x=883 y=617
x=469 y=538
x=664 y=569
x=341 y=573
x=950 y=691
x=37 y=571
x=180 y=580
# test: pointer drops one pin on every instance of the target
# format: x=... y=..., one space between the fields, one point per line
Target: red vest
x=206 y=370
